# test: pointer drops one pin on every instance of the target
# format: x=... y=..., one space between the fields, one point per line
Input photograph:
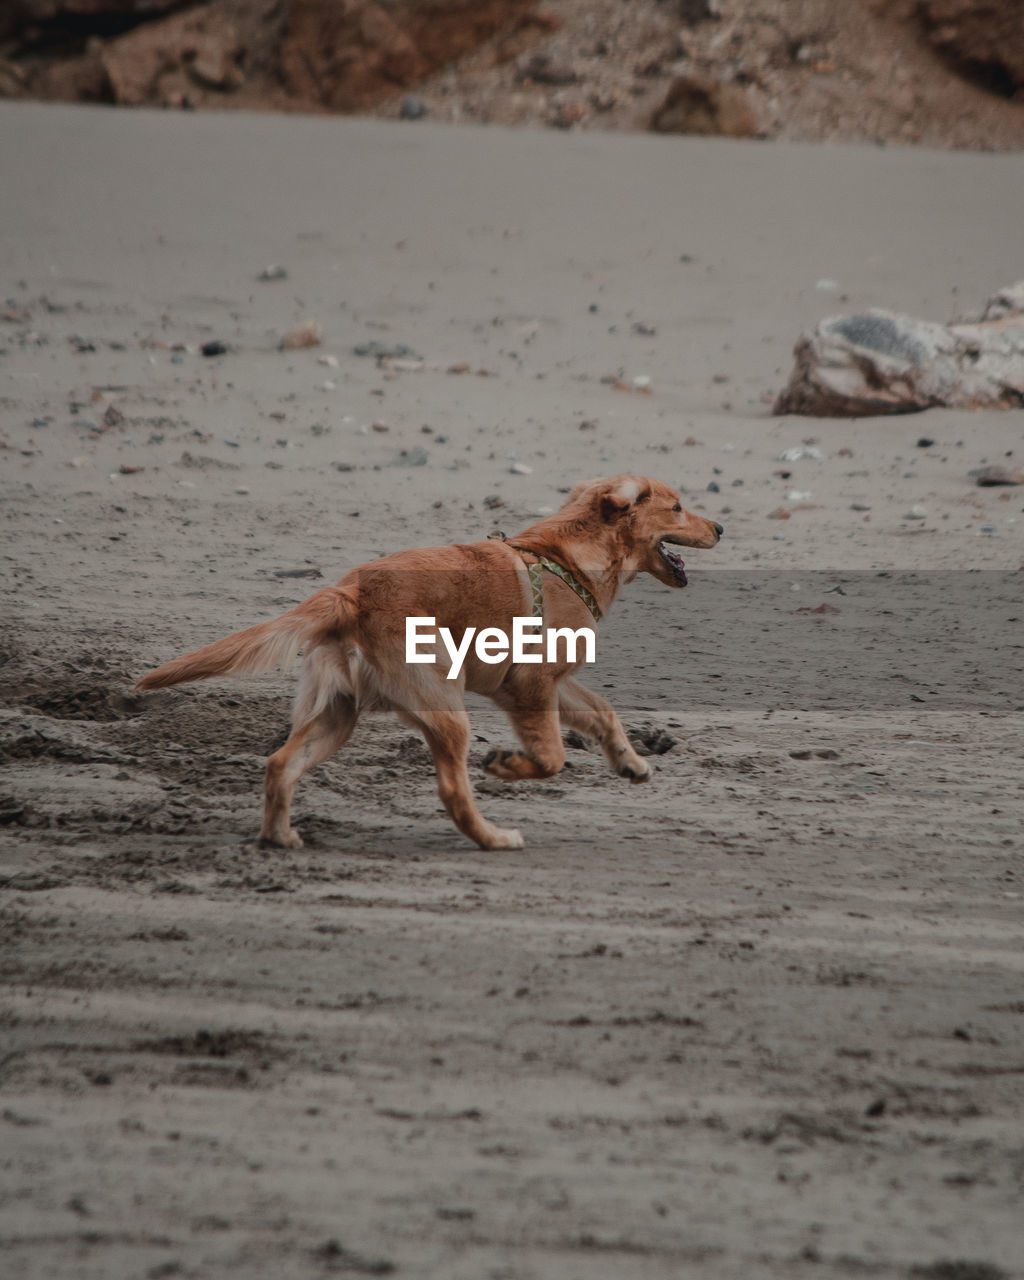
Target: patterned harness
x=559 y=570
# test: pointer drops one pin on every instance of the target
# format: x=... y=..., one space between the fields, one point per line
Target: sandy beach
x=761 y=1017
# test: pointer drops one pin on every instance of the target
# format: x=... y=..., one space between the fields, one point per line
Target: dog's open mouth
x=674 y=561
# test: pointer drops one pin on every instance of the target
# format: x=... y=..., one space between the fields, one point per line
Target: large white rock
x=883 y=362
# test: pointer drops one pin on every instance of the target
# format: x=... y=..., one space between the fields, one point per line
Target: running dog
x=565 y=569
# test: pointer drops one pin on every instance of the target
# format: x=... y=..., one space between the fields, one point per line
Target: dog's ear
x=579 y=490
x=622 y=496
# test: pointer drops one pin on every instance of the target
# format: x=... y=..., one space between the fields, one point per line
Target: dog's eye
x=678 y=507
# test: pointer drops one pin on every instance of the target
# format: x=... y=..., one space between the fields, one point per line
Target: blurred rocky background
x=945 y=73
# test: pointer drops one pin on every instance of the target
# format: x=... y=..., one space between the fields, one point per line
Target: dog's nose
x=718 y=528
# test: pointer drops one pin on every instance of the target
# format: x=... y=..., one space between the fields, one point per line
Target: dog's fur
x=353 y=637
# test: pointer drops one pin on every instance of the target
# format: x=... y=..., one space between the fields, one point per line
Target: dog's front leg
x=534 y=715
x=595 y=717
x=447 y=735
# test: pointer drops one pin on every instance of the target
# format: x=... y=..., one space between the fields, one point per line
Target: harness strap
x=559 y=570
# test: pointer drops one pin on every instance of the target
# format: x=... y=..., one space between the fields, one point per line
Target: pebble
x=520 y=469
x=385 y=350
x=416 y=457
x=988 y=528
x=273 y=272
x=412 y=107
x=916 y=513
x=331 y=362
x=800 y=451
x=713 y=487
x=798 y=495
x=308 y=334
x=214 y=348
x=988 y=476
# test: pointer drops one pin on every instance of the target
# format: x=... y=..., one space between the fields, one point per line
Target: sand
x=760 y=1017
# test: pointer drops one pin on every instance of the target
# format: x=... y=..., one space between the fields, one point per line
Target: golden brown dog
x=354 y=641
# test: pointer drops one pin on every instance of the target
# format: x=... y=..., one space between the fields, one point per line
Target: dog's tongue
x=676 y=561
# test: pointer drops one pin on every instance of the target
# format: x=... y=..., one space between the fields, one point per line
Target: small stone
x=309 y=334
x=416 y=457
x=214 y=348
x=698 y=104
x=412 y=107
x=544 y=68
x=713 y=487
x=989 y=476
x=385 y=350
x=273 y=272
x=520 y=469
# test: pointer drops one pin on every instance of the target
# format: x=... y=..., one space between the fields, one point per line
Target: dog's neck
x=603 y=565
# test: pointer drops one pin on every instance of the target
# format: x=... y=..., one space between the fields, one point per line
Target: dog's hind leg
x=594 y=716
x=535 y=720
x=447 y=735
x=308 y=744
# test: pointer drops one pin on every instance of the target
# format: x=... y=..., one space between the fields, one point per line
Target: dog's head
x=645 y=520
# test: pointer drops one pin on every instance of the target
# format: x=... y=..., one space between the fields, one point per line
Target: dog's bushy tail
x=324 y=616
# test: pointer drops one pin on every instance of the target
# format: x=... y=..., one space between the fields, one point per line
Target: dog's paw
x=504 y=838
x=290 y=840
x=638 y=772
x=499 y=765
